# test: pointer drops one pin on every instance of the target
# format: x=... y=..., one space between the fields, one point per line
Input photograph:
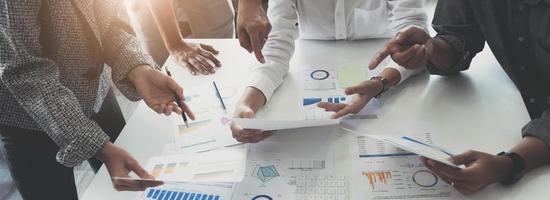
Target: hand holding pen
x=183 y=108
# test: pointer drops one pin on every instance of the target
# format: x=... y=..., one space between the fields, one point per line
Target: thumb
x=409 y=36
x=465 y=157
x=177 y=89
x=356 y=89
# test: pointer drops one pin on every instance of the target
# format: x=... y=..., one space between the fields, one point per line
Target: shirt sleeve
x=123 y=52
x=404 y=72
x=455 y=23
x=279 y=47
x=404 y=13
x=34 y=82
x=539 y=128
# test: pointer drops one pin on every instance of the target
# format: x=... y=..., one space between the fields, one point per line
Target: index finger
x=380 y=56
x=258 y=42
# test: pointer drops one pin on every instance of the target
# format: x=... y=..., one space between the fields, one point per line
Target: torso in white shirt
x=343 y=19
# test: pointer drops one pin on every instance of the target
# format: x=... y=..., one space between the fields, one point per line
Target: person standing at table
x=156 y=25
x=53 y=79
x=518 y=33
x=325 y=20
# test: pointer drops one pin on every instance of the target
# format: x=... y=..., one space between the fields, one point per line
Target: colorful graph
x=378 y=177
x=267 y=173
x=157 y=170
x=161 y=194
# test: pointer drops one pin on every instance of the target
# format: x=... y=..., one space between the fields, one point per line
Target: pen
x=178 y=101
x=219 y=95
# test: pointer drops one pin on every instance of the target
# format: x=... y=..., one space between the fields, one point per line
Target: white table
x=479 y=109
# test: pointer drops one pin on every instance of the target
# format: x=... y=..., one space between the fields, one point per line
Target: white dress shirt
x=329 y=20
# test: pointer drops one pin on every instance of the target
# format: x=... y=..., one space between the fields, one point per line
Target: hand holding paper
x=269 y=125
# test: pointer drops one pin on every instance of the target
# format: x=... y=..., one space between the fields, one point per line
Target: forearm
x=167 y=24
x=534 y=152
x=440 y=54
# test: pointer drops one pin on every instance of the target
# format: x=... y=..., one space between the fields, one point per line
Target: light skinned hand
x=362 y=94
x=199 y=58
x=481 y=170
x=410 y=48
x=158 y=90
x=247 y=135
x=120 y=163
x=253 y=27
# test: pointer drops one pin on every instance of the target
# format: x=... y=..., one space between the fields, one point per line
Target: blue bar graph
x=161 y=194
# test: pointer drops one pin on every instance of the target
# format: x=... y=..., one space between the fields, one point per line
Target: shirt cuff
x=84 y=147
x=462 y=55
x=404 y=72
x=264 y=84
x=539 y=128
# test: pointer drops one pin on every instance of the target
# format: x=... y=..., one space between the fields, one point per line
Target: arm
x=198 y=58
x=252 y=27
x=278 y=49
x=458 y=41
x=483 y=169
x=268 y=76
x=34 y=81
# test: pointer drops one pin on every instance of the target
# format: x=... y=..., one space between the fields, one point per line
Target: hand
x=247 y=135
x=119 y=164
x=158 y=90
x=481 y=170
x=363 y=93
x=410 y=48
x=253 y=27
x=199 y=58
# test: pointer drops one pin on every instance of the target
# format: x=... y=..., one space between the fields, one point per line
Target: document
x=210 y=129
x=415 y=146
x=391 y=173
x=212 y=191
x=203 y=135
x=269 y=124
x=223 y=165
x=327 y=84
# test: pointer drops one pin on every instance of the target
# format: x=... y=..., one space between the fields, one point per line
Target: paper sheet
x=268 y=125
x=210 y=129
x=212 y=191
x=204 y=135
x=414 y=145
x=392 y=173
x=327 y=84
x=223 y=165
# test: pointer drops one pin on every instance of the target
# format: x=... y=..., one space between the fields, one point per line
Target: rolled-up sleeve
x=279 y=47
x=455 y=24
x=123 y=53
x=539 y=128
x=34 y=82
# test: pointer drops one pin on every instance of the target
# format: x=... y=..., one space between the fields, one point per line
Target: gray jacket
x=53 y=55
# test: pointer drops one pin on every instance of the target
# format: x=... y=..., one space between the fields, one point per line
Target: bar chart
x=163 y=194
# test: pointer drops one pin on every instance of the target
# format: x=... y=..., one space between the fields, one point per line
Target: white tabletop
x=479 y=109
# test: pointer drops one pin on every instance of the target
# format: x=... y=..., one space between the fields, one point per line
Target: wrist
x=175 y=46
x=505 y=167
x=103 y=153
x=138 y=72
x=430 y=48
x=253 y=98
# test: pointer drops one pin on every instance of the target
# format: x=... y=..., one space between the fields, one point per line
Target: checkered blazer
x=53 y=55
